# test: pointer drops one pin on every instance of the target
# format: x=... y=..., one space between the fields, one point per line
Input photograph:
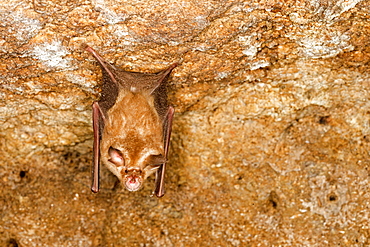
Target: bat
x=132 y=124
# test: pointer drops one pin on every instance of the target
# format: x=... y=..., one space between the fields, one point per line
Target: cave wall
x=270 y=142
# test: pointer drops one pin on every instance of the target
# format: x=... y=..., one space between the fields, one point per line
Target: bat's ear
x=116 y=157
x=162 y=77
x=156 y=159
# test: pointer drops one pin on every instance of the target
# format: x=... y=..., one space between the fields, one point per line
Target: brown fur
x=135 y=128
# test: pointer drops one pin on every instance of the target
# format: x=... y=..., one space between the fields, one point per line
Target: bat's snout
x=133 y=182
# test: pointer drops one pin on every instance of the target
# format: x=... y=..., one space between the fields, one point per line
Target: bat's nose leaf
x=133 y=183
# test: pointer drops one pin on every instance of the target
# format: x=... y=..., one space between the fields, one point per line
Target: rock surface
x=271 y=136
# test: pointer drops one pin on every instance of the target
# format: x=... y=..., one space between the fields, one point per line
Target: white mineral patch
x=322 y=42
x=222 y=75
x=123 y=33
x=259 y=64
x=250 y=44
x=340 y=7
x=250 y=51
x=201 y=21
x=19 y=24
x=109 y=16
x=81 y=81
x=52 y=54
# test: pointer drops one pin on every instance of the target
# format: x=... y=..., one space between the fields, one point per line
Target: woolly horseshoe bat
x=132 y=124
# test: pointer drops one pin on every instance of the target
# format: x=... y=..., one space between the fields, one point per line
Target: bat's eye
x=116 y=157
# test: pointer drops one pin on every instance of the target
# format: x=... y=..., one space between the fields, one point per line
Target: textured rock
x=270 y=140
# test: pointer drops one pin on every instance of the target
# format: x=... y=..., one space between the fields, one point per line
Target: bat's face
x=133 y=180
x=133 y=177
